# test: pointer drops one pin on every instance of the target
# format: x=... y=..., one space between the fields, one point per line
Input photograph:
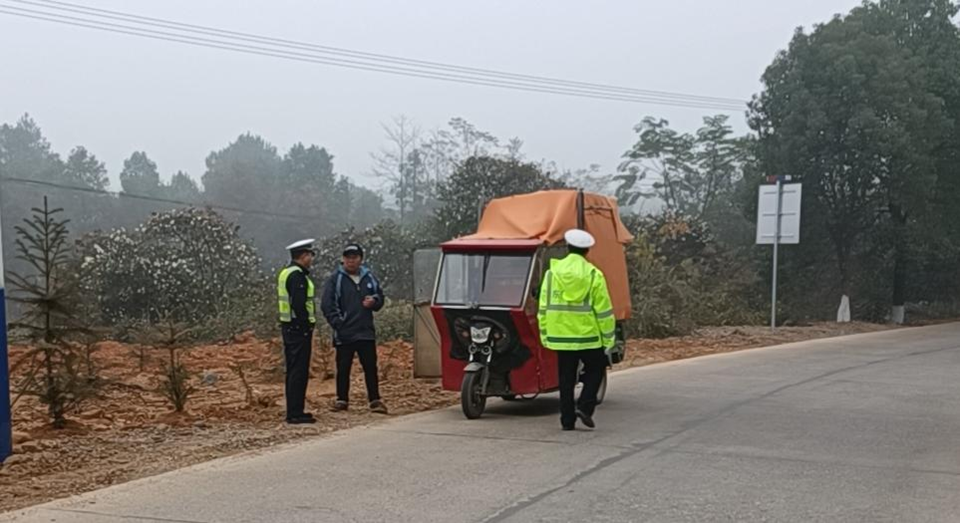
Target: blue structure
x=6 y=422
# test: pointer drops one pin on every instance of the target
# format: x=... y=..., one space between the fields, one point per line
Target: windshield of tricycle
x=483 y=279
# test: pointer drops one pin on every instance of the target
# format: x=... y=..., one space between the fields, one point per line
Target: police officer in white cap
x=298 y=318
x=576 y=320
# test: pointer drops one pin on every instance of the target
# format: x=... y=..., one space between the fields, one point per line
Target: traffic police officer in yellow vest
x=297 y=319
x=576 y=320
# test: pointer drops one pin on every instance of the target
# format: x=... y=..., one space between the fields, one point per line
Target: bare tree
x=440 y=157
x=392 y=163
x=445 y=150
x=513 y=149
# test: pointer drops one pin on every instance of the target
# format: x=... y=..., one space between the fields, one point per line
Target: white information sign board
x=778 y=221
x=789 y=205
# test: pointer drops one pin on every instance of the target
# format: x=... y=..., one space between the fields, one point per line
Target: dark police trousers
x=367 y=351
x=594 y=369
x=297 y=349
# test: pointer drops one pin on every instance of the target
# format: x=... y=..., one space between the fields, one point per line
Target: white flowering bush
x=388 y=251
x=188 y=265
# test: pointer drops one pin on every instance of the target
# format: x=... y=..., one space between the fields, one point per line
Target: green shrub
x=681 y=279
x=395 y=321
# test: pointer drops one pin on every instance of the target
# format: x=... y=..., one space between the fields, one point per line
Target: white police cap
x=302 y=245
x=579 y=238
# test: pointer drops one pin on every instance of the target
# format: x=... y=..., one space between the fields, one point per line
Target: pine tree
x=56 y=373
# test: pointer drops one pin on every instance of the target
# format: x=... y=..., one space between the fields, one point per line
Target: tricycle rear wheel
x=602 y=392
x=472 y=402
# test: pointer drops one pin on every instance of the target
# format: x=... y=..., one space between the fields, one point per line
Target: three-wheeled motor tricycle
x=485 y=296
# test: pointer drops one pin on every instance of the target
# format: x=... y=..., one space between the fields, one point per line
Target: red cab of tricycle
x=493 y=283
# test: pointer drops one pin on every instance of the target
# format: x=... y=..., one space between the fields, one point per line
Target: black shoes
x=303 y=419
x=378 y=407
x=586 y=420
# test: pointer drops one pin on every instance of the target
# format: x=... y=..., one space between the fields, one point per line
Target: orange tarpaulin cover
x=547 y=215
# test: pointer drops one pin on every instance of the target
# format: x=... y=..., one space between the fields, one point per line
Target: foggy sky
x=116 y=94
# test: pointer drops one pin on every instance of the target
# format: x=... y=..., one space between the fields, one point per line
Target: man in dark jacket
x=295 y=292
x=350 y=297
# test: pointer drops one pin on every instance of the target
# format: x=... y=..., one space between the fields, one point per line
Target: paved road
x=865 y=428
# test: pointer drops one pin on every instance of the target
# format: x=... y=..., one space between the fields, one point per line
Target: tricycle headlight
x=480 y=334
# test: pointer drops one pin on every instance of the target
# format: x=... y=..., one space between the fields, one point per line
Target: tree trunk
x=843 y=312
x=897 y=311
x=843 y=264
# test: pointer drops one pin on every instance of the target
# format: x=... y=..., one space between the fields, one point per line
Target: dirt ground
x=131 y=432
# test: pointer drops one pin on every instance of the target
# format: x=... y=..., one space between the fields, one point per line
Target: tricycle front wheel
x=472 y=402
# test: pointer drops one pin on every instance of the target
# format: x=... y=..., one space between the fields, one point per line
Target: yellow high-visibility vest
x=575 y=311
x=287 y=314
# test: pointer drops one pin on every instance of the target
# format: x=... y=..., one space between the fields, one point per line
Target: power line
x=158 y=22
x=257 y=50
x=169 y=201
x=352 y=64
x=376 y=57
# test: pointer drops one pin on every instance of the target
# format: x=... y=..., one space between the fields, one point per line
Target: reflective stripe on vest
x=287 y=313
